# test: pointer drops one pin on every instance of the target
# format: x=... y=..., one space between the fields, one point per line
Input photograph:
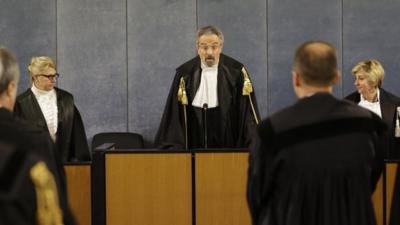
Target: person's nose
x=209 y=51
x=356 y=82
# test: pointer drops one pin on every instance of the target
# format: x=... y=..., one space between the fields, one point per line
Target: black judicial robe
x=388 y=103
x=316 y=164
x=71 y=139
x=21 y=147
x=231 y=124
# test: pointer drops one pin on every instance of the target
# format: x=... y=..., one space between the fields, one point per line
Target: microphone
x=205 y=108
x=397 y=128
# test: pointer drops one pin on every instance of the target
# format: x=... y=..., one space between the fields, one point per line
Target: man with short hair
x=211 y=102
x=317 y=162
x=32 y=189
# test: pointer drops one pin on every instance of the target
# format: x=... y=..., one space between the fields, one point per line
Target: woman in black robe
x=53 y=110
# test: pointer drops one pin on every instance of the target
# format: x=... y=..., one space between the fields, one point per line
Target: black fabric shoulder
x=224 y=59
x=328 y=129
x=390 y=97
x=354 y=97
x=24 y=95
x=11 y=159
x=189 y=65
x=64 y=93
x=230 y=62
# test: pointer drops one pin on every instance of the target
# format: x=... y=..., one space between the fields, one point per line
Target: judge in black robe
x=373 y=73
x=316 y=163
x=71 y=139
x=70 y=136
x=391 y=143
x=232 y=124
x=388 y=105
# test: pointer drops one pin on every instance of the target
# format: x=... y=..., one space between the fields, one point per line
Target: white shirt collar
x=207 y=93
x=47 y=101
x=37 y=92
x=372 y=106
x=362 y=99
x=205 y=67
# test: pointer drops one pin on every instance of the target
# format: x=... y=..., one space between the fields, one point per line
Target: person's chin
x=210 y=62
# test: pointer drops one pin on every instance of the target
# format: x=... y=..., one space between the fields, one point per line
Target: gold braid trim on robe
x=48 y=209
x=247 y=86
x=247 y=90
x=182 y=97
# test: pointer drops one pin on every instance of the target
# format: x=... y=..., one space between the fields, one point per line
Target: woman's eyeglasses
x=50 y=77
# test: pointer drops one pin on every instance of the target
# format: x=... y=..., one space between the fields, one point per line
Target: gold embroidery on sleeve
x=48 y=209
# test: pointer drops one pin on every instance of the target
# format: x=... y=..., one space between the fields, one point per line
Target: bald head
x=316 y=63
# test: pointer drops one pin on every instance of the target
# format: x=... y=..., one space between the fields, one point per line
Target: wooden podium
x=221 y=181
x=79 y=191
x=148 y=188
x=155 y=187
x=383 y=190
x=170 y=187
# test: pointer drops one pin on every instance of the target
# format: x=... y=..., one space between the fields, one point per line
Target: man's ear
x=295 y=79
x=11 y=89
x=337 y=78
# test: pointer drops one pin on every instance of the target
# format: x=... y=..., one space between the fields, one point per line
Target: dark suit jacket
x=71 y=139
x=236 y=121
x=22 y=146
x=315 y=164
x=389 y=103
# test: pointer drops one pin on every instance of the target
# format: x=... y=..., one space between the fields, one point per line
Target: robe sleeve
x=248 y=127
x=261 y=171
x=17 y=110
x=79 y=143
x=171 y=130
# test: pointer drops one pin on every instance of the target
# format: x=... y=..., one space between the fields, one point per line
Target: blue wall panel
x=160 y=38
x=244 y=26
x=92 y=61
x=290 y=23
x=371 y=30
x=28 y=28
x=118 y=58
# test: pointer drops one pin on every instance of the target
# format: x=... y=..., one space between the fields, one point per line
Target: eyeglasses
x=50 y=77
x=206 y=47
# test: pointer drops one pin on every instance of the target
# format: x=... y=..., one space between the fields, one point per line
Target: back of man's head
x=9 y=76
x=8 y=69
x=316 y=63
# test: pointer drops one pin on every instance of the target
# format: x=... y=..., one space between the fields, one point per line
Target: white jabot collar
x=48 y=105
x=373 y=106
x=207 y=93
x=37 y=92
x=362 y=99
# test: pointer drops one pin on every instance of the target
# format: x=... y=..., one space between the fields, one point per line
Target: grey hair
x=207 y=30
x=9 y=70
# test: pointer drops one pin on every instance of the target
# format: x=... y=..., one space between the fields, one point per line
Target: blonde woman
x=53 y=110
x=369 y=75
